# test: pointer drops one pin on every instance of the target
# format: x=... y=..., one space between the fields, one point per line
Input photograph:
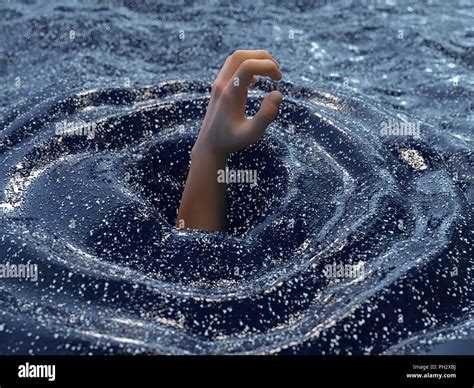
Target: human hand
x=225 y=128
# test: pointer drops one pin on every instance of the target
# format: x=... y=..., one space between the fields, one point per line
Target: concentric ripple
x=95 y=211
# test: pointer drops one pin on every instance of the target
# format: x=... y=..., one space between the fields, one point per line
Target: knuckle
x=245 y=64
x=225 y=94
x=237 y=55
x=216 y=89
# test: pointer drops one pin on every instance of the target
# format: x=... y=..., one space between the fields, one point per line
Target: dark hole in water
x=161 y=174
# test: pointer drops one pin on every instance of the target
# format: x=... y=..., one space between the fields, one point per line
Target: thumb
x=265 y=115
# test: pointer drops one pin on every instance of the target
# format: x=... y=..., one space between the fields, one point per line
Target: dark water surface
x=92 y=208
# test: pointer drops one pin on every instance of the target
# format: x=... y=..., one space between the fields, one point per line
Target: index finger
x=233 y=62
x=247 y=71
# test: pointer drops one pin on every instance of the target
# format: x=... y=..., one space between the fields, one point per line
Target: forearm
x=204 y=201
x=225 y=129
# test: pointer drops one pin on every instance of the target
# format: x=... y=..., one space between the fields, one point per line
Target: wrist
x=204 y=151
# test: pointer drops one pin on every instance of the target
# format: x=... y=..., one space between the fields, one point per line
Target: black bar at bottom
x=318 y=371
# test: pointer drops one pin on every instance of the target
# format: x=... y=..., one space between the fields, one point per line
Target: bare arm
x=225 y=129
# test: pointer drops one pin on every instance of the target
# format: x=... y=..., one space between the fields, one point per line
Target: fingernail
x=276 y=62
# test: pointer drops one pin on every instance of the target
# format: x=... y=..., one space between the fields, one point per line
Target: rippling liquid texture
x=94 y=209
